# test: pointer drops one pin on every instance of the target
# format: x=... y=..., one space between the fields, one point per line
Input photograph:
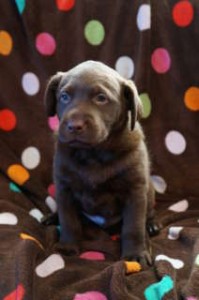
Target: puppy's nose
x=76 y=126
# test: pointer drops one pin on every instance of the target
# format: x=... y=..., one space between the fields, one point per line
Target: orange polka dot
x=191 y=98
x=25 y=236
x=8 y=120
x=18 y=174
x=132 y=267
x=6 y=43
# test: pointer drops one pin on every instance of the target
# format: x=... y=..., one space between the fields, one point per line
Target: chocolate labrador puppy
x=101 y=167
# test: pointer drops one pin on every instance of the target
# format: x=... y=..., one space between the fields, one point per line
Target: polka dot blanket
x=155 y=43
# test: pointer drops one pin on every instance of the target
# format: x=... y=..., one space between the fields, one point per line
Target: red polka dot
x=16 y=294
x=115 y=237
x=51 y=190
x=65 y=5
x=45 y=44
x=7 y=120
x=183 y=13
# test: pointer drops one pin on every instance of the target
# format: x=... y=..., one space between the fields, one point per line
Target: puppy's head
x=91 y=101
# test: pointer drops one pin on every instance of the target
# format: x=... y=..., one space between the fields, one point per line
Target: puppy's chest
x=104 y=201
x=98 y=189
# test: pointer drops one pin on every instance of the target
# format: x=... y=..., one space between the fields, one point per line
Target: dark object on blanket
x=101 y=166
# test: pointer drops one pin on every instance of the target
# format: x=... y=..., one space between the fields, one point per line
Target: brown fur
x=101 y=166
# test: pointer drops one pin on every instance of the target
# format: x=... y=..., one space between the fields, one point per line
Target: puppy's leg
x=70 y=223
x=152 y=225
x=134 y=238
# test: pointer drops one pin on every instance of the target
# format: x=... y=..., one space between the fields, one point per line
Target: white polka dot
x=176 y=263
x=52 y=264
x=37 y=214
x=30 y=83
x=175 y=142
x=50 y=202
x=144 y=17
x=125 y=66
x=179 y=206
x=159 y=184
x=174 y=232
x=7 y=218
x=30 y=158
x=197 y=260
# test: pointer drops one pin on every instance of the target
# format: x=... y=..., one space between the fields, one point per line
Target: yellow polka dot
x=132 y=267
x=6 y=43
x=191 y=98
x=18 y=174
x=25 y=236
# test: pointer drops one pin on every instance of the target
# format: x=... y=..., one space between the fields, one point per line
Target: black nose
x=76 y=126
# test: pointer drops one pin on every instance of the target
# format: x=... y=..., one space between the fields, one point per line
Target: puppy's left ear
x=133 y=101
x=50 y=99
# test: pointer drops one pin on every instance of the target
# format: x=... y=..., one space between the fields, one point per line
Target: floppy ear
x=134 y=104
x=50 y=94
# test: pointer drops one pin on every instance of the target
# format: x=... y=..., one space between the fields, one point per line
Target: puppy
x=101 y=167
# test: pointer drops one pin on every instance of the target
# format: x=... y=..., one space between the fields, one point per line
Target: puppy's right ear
x=50 y=99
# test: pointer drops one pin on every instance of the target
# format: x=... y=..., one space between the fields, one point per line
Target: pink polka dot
x=161 y=60
x=45 y=43
x=93 y=255
x=53 y=123
x=51 y=190
x=92 y=295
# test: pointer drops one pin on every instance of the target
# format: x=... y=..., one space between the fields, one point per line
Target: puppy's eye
x=65 y=98
x=101 y=99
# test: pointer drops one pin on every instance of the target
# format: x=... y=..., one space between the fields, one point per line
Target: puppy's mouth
x=79 y=144
x=89 y=138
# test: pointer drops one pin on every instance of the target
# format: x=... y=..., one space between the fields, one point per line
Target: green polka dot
x=94 y=32
x=14 y=187
x=146 y=105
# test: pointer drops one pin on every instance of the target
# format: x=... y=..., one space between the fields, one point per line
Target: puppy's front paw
x=153 y=228
x=143 y=258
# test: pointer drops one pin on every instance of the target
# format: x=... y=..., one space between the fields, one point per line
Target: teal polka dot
x=58 y=229
x=14 y=187
x=157 y=291
x=146 y=102
x=94 y=32
x=20 y=5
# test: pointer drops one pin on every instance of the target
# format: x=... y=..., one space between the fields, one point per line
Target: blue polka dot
x=99 y=220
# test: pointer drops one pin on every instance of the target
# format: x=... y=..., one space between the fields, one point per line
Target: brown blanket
x=157 y=45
